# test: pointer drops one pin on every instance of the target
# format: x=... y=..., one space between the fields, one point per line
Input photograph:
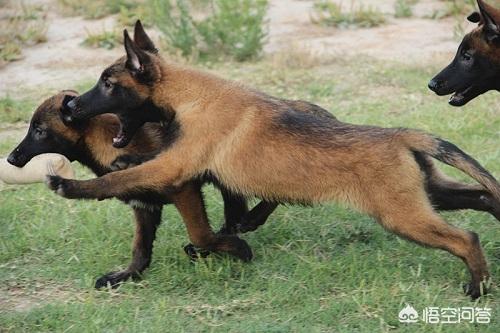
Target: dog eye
x=108 y=84
x=466 y=56
x=39 y=133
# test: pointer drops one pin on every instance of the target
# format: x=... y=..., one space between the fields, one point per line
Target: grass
x=226 y=29
x=15 y=110
x=404 y=8
x=328 y=13
x=21 y=25
x=105 y=39
x=321 y=269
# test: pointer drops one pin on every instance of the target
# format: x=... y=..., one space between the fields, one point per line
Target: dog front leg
x=157 y=175
x=147 y=221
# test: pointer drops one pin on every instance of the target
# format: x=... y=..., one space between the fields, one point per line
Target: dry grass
x=328 y=13
x=20 y=26
x=297 y=56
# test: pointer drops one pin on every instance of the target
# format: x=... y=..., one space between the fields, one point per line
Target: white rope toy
x=36 y=170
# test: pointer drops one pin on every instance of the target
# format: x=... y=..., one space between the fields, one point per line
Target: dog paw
x=58 y=185
x=475 y=290
x=124 y=162
x=193 y=253
x=240 y=249
x=128 y=161
x=112 y=279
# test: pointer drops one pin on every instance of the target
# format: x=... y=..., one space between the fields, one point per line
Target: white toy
x=36 y=170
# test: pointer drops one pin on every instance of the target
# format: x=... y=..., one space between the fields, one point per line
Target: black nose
x=434 y=85
x=72 y=105
x=12 y=159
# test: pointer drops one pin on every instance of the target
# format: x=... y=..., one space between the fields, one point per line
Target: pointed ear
x=135 y=57
x=142 y=40
x=474 y=17
x=491 y=20
x=66 y=117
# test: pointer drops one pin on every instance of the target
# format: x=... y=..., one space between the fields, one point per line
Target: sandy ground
x=411 y=40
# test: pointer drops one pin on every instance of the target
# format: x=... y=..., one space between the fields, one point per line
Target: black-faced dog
x=89 y=142
x=476 y=66
x=259 y=145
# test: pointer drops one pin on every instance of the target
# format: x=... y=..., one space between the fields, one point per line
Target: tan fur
x=261 y=146
x=240 y=136
x=96 y=138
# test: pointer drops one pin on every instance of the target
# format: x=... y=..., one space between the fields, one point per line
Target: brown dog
x=257 y=145
x=89 y=142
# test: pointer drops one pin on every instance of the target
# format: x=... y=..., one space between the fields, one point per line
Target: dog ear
x=491 y=21
x=136 y=58
x=474 y=17
x=65 y=114
x=142 y=40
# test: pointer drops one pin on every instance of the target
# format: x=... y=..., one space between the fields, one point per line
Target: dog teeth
x=115 y=140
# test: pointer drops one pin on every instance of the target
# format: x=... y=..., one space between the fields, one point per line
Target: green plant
x=328 y=13
x=178 y=28
x=105 y=39
x=403 y=8
x=128 y=16
x=231 y=28
x=235 y=28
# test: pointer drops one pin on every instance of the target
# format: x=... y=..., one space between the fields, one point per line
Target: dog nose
x=11 y=159
x=72 y=104
x=434 y=85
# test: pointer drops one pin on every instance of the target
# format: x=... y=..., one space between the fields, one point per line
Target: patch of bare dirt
x=418 y=39
x=19 y=298
x=62 y=60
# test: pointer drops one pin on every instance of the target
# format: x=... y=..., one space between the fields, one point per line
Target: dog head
x=51 y=130
x=476 y=66
x=124 y=88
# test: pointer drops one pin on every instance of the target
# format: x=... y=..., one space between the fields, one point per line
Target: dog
x=258 y=145
x=476 y=66
x=89 y=142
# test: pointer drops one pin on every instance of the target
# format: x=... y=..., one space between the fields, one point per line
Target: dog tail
x=450 y=154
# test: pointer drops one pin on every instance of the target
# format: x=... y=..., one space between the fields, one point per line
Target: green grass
x=106 y=39
x=404 y=8
x=226 y=29
x=15 y=110
x=321 y=269
x=328 y=13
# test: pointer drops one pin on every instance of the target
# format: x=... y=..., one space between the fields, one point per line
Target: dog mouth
x=121 y=139
x=463 y=96
x=128 y=128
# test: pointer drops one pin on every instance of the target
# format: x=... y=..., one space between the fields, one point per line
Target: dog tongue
x=119 y=138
